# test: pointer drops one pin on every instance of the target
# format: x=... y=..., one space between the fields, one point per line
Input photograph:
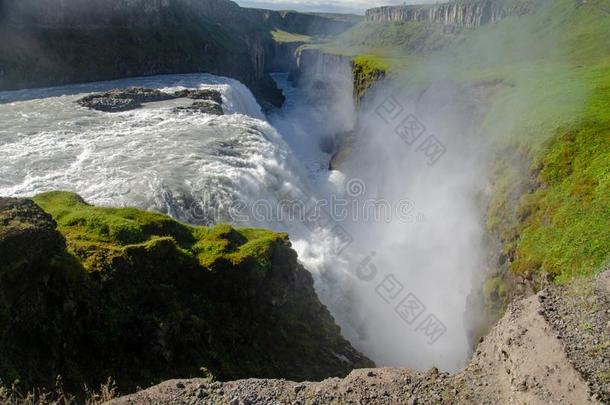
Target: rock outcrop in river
x=118 y=100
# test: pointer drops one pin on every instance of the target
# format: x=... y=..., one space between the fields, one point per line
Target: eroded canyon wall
x=464 y=13
x=52 y=42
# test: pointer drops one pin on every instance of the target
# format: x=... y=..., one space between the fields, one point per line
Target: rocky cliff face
x=300 y=23
x=538 y=353
x=90 y=292
x=313 y=64
x=459 y=13
x=84 y=14
x=51 y=42
x=101 y=13
x=310 y=66
x=364 y=78
x=285 y=56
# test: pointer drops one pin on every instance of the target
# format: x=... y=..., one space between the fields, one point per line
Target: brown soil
x=551 y=348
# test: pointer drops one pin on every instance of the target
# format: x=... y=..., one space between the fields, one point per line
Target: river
x=397 y=305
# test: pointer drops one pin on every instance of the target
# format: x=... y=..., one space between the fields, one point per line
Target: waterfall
x=396 y=252
x=191 y=166
x=241 y=168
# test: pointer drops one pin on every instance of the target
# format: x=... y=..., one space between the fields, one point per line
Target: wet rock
x=108 y=104
x=140 y=94
x=118 y=100
x=205 y=94
x=202 y=107
x=28 y=237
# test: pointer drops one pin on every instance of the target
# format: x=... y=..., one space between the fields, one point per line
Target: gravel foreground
x=551 y=348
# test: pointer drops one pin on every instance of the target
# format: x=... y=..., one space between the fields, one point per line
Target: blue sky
x=334 y=6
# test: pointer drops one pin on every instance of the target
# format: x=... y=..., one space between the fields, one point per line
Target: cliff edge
x=553 y=347
x=457 y=13
x=89 y=292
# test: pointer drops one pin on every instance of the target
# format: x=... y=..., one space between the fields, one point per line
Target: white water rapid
x=240 y=168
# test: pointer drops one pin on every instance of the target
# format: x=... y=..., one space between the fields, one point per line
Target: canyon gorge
x=216 y=204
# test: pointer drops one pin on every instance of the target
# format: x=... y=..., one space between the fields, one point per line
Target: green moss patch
x=565 y=223
x=283 y=36
x=98 y=232
x=143 y=298
x=550 y=122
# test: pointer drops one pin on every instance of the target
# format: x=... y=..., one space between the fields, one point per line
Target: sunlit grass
x=283 y=36
x=97 y=234
x=550 y=122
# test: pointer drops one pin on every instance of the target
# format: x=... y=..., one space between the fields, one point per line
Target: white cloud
x=346 y=6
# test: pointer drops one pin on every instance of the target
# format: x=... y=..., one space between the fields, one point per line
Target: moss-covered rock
x=140 y=297
x=366 y=72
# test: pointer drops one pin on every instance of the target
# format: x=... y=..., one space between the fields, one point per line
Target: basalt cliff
x=53 y=42
x=462 y=13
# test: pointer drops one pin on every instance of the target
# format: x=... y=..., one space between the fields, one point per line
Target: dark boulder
x=108 y=104
x=118 y=100
x=27 y=235
x=205 y=94
x=140 y=94
x=202 y=107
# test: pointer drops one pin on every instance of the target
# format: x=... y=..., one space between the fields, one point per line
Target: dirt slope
x=551 y=348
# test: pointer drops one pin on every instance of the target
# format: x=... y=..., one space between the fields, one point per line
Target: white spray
x=371 y=270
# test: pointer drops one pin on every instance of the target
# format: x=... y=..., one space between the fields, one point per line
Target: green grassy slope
x=557 y=117
x=95 y=232
x=90 y=292
x=282 y=36
x=392 y=38
x=551 y=122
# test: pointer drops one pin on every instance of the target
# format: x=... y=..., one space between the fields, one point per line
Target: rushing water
x=152 y=158
x=240 y=168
